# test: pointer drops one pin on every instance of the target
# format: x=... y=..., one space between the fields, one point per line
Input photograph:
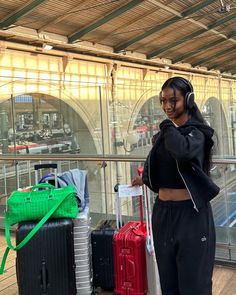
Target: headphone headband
x=186 y=82
x=189 y=96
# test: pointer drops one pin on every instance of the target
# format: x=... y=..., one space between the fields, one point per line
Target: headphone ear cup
x=189 y=100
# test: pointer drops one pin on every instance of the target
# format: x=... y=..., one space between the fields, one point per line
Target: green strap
x=28 y=237
x=4 y=260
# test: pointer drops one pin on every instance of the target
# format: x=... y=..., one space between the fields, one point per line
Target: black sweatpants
x=184 y=242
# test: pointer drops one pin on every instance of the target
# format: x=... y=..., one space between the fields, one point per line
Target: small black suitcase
x=45 y=265
x=102 y=254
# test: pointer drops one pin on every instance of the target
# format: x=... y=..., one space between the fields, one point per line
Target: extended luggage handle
x=48 y=165
x=147 y=201
x=140 y=171
x=45 y=166
x=118 y=208
x=150 y=242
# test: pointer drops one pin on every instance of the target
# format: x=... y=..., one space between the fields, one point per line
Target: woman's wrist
x=137 y=180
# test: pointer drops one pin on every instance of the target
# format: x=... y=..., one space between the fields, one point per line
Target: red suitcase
x=129 y=258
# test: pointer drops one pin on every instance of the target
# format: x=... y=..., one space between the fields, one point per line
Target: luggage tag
x=127 y=190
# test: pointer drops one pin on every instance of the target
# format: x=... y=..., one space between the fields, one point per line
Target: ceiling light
x=47 y=46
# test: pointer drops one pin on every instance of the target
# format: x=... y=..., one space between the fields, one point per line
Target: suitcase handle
x=48 y=166
x=44 y=277
x=130 y=269
x=41 y=166
x=139 y=229
x=119 y=221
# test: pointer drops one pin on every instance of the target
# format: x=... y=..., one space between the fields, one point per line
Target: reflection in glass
x=41 y=124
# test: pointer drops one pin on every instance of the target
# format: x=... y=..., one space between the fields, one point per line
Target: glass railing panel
x=231 y=198
x=103 y=175
x=224 y=210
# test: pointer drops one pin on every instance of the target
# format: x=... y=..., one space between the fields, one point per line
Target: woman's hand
x=137 y=180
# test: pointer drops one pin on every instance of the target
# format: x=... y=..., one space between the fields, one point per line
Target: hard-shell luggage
x=82 y=247
x=102 y=254
x=129 y=257
x=102 y=249
x=82 y=229
x=45 y=265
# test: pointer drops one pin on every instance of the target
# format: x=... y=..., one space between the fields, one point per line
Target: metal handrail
x=84 y=157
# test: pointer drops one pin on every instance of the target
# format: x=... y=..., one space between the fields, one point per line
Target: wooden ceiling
x=200 y=34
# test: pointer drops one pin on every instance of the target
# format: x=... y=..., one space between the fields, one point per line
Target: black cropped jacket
x=188 y=144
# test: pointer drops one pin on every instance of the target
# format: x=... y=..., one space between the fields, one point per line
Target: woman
x=177 y=168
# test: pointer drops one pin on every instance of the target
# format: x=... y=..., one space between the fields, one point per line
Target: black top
x=188 y=148
x=167 y=173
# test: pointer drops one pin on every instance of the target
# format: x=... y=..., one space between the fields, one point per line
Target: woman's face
x=173 y=105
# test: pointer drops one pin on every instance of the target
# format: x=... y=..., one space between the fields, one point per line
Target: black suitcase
x=102 y=254
x=45 y=265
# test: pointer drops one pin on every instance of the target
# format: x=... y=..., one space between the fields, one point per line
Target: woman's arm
x=182 y=147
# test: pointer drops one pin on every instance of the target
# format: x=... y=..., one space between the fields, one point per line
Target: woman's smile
x=172 y=102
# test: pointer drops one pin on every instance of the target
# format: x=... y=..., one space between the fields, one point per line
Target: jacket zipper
x=149 y=170
x=149 y=163
x=194 y=205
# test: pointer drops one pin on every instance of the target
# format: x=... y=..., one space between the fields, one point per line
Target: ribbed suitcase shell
x=82 y=248
x=129 y=259
x=102 y=254
x=45 y=265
